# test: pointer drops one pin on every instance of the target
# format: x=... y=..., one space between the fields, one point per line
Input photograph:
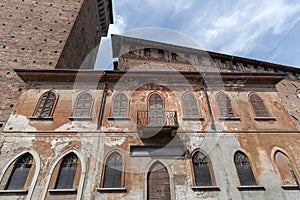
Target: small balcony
x=156 y=123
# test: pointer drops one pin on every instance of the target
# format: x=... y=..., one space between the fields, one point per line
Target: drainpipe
x=103 y=99
x=213 y=125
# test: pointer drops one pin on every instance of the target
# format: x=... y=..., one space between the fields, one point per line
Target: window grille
x=258 y=106
x=120 y=105
x=113 y=171
x=190 y=106
x=20 y=173
x=244 y=169
x=67 y=172
x=224 y=105
x=83 y=105
x=46 y=104
x=201 y=170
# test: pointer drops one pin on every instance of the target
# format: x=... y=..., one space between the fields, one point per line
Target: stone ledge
x=250 y=187
x=112 y=190
x=80 y=118
x=206 y=188
x=229 y=119
x=193 y=118
x=265 y=118
x=290 y=187
x=14 y=191
x=41 y=118
x=72 y=190
x=119 y=118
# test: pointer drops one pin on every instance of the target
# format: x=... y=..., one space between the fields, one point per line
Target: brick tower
x=46 y=35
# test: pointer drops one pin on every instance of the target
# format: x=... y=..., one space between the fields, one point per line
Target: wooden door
x=156 y=110
x=158 y=183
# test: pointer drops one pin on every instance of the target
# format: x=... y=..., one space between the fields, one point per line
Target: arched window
x=258 y=106
x=285 y=169
x=201 y=169
x=46 y=105
x=67 y=172
x=83 y=105
x=224 y=105
x=190 y=106
x=113 y=171
x=120 y=105
x=20 y=172
x=156 y=110
x=244 y=169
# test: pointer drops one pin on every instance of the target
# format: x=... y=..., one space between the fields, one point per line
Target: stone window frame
x=258 y=107
x=190 y=116
x=229 y=113
x=116 y=116
x=213 y=185
x=122 y=187
x=78 y=117
x=31 y=178
x=295 y=174
x=39 y=104
x=53 y=174
x=239 y=175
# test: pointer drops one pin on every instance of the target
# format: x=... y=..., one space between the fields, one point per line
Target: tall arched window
x=120 y=105
x=83 y=105
x=201 y=168
x=224 y=105
x=285 y=169
x=156 y=110
x=67 y=172
x=46 y=105
x=244 y=169
x=113 y=171
x=20 y=172
x=190 y=106
x=258 y=106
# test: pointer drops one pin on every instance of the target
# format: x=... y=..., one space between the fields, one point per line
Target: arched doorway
x=158 y=183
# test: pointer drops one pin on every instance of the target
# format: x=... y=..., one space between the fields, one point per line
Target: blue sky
x=267 y=30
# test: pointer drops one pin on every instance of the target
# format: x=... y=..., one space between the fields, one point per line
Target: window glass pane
x=45 y=105
x=67 y=172
x=190 y=106
x=258 y=106
x=83 y=106
x=244 y=169
x=120 y=105
x=201 y=170
x=113 y=171
x=20 y=173
x=285 y=169
x=224 y=105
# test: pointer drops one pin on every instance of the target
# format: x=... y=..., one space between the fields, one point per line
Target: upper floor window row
x=190 y=107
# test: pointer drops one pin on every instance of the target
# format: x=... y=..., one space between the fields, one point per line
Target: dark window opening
x=258 y=106
x=175 y=56
x=244 y=169
x=113 y=171
x=83 y=105
x=147 y=52
x=156 y=110
x=20 y=173
x=161 y=53
x=201 y=170
x=46 y=104
x=190 y=106
x=224 y=105
x=120 y=105
x=67 y=172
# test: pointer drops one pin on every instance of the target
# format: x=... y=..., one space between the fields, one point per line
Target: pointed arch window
x=190 y=106
x=244 y=169
x=224 y=105
x=285 y=169
x=120 y=105
x=113 y=171
x=20 y=172
x=46 y=105
x=258 y=106
x=67 y=172
x=83 y=105
x=202 y=171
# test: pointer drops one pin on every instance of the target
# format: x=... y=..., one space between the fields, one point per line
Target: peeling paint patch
x=18 y=122
x=115 y=141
